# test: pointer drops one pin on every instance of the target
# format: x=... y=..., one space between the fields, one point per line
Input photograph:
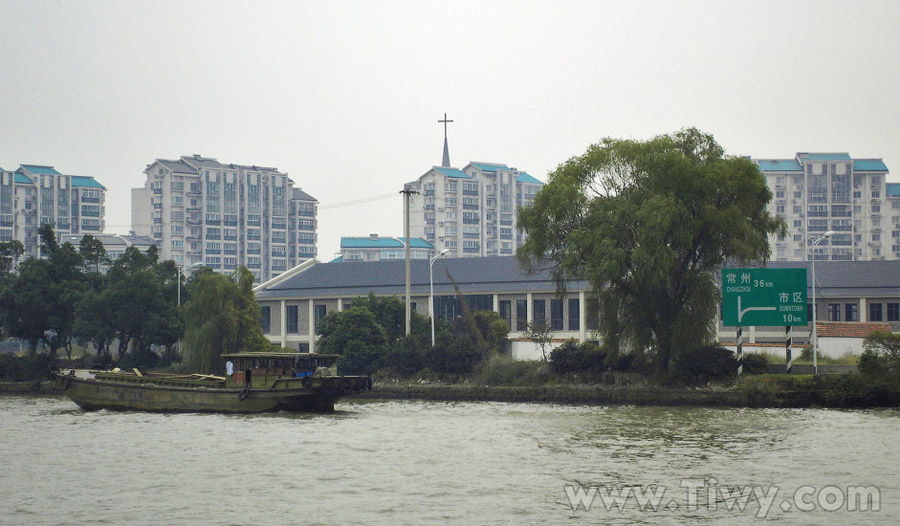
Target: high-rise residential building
x=376 y=248
x=35 y=195
x=471 y=211
x=892 y=206
x=817 y=193
x=221 y=216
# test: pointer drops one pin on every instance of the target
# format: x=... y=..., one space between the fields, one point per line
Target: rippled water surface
x=422 y=463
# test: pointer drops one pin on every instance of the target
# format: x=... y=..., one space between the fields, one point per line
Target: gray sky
x=345 y=96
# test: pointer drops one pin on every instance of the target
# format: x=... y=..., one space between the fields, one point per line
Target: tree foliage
x=647 y=223
x=221 y=317
x=881 y=355
x=357 y=337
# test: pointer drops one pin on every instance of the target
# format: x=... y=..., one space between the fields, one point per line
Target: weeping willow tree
x=647 y=224
x=221 y=316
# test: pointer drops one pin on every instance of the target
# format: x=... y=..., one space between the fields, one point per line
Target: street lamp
x=181 y=273
x=815 y=337
x=431 y=288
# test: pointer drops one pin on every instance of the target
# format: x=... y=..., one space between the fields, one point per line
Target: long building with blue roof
x=293 y=303
x=831 y=192
x=34 y=195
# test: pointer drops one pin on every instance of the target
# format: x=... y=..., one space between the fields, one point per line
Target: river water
x=416 y=463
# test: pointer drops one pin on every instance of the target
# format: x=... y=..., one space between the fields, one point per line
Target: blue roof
x=779 y=165
x=490 y=167
x=452 y=172
x=826 y=156
x=23 y=179
x=40 y=170
x=892 y=189
x=869 y=165
x=86 y=182
x=525 y=178
x=383 y=242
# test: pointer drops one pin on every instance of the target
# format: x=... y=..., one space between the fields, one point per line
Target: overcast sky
x=345 y=96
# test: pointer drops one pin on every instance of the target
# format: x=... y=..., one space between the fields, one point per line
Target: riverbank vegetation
x=128 y=312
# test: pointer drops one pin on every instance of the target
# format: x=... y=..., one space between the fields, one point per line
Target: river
x=412 y=462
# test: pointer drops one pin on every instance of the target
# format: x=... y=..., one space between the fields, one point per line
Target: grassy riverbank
x=504 y=380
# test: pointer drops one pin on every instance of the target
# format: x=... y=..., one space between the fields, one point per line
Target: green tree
x=10 y=253
x=39 y=303
x=357 y=337
x=539 y=334
x=93 y=253
x=647 y=223
x=222 y=316
x=881 y=357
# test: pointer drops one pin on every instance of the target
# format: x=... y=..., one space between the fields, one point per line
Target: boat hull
x=94 y=394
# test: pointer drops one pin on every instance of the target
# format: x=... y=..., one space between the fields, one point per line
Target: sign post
x=764 y=297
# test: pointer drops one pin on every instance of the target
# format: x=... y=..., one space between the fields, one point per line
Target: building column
x=312 y=325
x=863 y=310
x=282 y=320
x=529 y=310
x=496 y=303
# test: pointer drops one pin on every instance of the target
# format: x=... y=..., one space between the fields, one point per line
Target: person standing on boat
x=229 y=368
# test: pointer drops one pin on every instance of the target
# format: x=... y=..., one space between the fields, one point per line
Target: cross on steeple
x=446 y=160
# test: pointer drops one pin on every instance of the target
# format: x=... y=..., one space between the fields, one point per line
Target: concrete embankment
x=587 y=395
x=32 y=387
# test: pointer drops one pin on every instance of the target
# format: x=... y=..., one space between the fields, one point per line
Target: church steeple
x=445 y=162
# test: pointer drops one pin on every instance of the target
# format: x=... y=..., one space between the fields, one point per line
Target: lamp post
x=815 y=337
x=181 y=274
x=431 y=288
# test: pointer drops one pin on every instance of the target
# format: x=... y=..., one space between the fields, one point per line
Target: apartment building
x=892 y=193
x=34 y=195
x=820 y=192
x=471 y=211
x=219 y=215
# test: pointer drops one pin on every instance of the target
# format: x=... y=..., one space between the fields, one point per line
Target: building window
x=851 y=311
x=506 y=312
x=574 y=314
x=266 y=318
x=291 y=325
x=834 y=312
x=521 y=315
x=875 y=313
x=893 y=312
x=556 y=315
x=540 y=312
x=319 y=312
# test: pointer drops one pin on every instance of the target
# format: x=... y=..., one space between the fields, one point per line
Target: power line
x=357 y=201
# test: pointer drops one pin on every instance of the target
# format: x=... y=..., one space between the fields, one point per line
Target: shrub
x=881 y=356
x=407 y=359
x=138 y=359
x=756 y=363
x=23 y=368
x=452 y=353
x=571 y=357
x=503 y=370
x=706 y=363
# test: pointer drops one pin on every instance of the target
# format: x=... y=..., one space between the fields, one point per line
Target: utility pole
x=408 y=194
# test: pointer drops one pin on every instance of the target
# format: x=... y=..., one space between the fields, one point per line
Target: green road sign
x=763 y=297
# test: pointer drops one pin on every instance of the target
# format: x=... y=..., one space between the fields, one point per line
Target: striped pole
x=740 y=351
x=788 y=360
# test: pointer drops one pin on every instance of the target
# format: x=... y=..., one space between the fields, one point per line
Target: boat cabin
x=261 y=370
